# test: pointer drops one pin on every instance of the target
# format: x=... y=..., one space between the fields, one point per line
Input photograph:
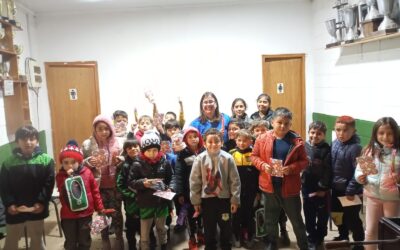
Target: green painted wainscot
x=364 y=128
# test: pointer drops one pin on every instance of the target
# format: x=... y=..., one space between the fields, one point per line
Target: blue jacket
x=344 y=165
x=203 y=127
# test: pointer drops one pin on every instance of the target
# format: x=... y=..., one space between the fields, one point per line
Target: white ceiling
x=58 y=6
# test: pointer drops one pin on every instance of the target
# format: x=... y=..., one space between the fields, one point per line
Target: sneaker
x=284 y=239
x=192 y=244
x=236 y=244
x=200 y=239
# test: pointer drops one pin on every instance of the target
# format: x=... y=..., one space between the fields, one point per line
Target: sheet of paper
x=346 y=203
x=165 y=194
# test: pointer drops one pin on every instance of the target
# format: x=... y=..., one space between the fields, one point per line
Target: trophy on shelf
x=373 y=12
x=385 y=8
x=6 y=70
x=349 y=18
x=12 y=11
x=2 y=33
x=362 y=15
x=331 y=27
x=18 y=50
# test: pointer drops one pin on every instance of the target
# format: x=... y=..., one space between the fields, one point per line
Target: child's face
x=213 y=144
x=69 y=163
x=281 y=126
x=316 y=136
x=344 y=132
x=172 y=131
x=243 y=142
x=165 y=147
x=263 y=104
x=232 y=130
x=133 y=151
x=102 y=131
x=385 y=136
x=27 y=145
x=151 y=153
x=192 y=139
x=145 y=124
x=120 y=118
x=259 y=131
x=239 y=108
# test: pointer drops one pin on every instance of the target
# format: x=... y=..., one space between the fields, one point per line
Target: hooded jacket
x=92 y=192
x=106 y=172
x=296 y=160
x=383 y=184
x=26 y=181
x=183 y=166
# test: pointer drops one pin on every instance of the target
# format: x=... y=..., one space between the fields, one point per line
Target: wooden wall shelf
x=368 y=40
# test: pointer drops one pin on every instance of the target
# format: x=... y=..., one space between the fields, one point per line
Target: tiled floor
x=178 y=241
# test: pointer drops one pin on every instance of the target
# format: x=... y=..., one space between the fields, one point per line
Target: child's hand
x=70 y=171
x=286 y=170
x=93 y=161
x=197 y=210
x=38 y=208
x=234 y=208
x=115 y=160
x=362 y=179
x=350 y=197
x=267 y=168
x=133 y=127
x=147 y=183
x=12 y=210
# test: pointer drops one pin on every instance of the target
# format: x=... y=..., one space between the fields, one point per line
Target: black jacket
x=141 y=170
x=183 y=167
x=318 y=174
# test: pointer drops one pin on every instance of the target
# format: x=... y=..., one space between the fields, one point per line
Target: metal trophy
x=362 y=15
x=385 y=8
x=12 y=11
x=373 y=13
x=331 y=28
x=18 y=50
x=2 y=32
x=6 y=70
x=349 y=18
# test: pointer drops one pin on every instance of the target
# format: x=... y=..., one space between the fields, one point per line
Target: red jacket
x=92 y=191
x=296 y=160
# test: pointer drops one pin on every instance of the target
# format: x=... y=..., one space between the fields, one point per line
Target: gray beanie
x=149 y=140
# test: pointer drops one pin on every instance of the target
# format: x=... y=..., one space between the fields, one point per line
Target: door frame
x=52 y=99
x=302 y=57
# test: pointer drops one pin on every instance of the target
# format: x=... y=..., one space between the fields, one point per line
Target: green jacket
x=129 y=196
x=26 y=181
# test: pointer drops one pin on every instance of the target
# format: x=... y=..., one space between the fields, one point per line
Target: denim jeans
x=273 y=202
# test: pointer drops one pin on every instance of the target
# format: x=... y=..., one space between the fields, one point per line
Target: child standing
x=151 y=172
x=345 y=149
x=145 y=123
x=76 y=224
x=381 y=189
x=215 y=190
x=258 y=127
x=104 y=168
x=264 y=109
x=120 y=119
x=316 y=182
x=180 y=183
x=280 y=182
x=26 y=184
x=131 y=150
x=243 y=223
x=238 y=109
x=234 y=126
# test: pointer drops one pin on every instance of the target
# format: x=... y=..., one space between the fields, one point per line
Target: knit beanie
x=149 y=140
x=71 y=150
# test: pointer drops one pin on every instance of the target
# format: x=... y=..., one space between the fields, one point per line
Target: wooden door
x=284 y=81
x=74 y=101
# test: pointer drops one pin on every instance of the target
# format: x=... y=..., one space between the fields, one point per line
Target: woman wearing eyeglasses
x=210 y=116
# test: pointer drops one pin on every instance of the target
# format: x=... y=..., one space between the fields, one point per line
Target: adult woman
x=210 y=116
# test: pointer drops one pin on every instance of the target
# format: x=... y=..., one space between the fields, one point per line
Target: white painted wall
x=175 y=52
x=361 y=81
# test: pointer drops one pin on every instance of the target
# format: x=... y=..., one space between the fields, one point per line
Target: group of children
x=216 y=181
